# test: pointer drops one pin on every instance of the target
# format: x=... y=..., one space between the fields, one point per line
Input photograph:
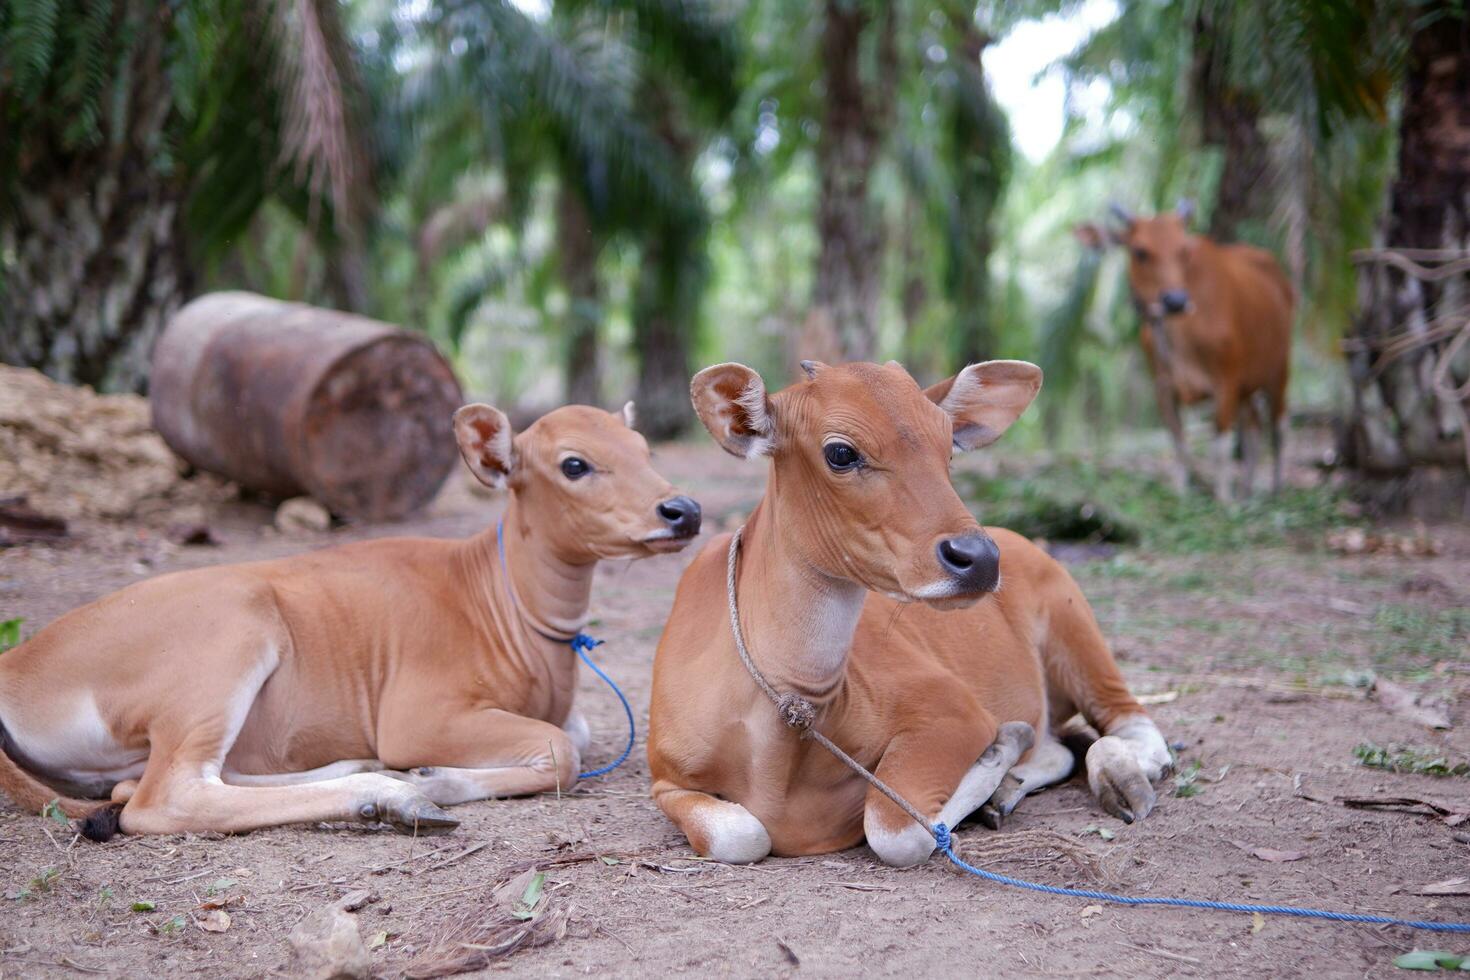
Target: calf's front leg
x=921 y=768
x=716 y=829
x=479 y=754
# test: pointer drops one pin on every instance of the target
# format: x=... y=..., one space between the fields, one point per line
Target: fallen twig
x=1164 y=953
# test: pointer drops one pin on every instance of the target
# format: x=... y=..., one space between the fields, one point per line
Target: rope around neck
x=581 y=644
x=800 y=714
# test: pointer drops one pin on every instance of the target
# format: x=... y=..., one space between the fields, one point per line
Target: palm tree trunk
x=1408 y=435
x=665 y=313
x=856 y=121
x=671 y=280
x=980 y=143
x=1230 y=120
x=92 y=259
x=577 y=249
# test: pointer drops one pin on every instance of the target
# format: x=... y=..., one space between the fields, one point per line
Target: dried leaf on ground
x=1269 y=853
x=1403 y=702
x=217 y=920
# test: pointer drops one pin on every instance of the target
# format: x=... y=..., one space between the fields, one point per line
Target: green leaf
x=610 y=862
x=526 y=907
x=220 y=884
x=143 y=905
x=379 y=938
x=52 y=811
x=1427 y=959
x=10 y=633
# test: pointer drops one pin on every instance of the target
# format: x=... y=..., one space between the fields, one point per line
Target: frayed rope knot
x=796 y=711
x=581 y=643
x=941 y=837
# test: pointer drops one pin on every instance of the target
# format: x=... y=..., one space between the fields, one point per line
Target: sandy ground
x=1255 y=653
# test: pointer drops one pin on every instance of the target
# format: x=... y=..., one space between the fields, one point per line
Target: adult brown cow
x=1216 y=323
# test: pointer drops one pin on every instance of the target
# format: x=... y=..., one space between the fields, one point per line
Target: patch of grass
x=1416 y=631
x=1415 y=760
x=1186 y=780
x=39 y=885
x=10 y=633
x=1082 y=501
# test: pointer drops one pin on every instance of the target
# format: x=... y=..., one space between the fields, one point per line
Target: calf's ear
x=484 y=438
x=731 y=401
x=984 y=399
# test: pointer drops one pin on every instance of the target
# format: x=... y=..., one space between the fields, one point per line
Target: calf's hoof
x=733 y=835
x=411 y=815
x=1013 y=736
x=1009 y=793
x=1118 y=781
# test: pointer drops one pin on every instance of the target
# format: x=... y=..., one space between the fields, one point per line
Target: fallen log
x=290 y=399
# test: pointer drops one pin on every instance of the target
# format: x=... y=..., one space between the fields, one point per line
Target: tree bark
x=577 y=249
x=1408 y=436
x=91 y=258
x=671 y=281
x=980 y=143
x=1230 y=118
x=856 y=121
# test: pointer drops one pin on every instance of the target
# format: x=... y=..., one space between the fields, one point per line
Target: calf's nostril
x=954 y=556
x=681 y=514
x=973 y=559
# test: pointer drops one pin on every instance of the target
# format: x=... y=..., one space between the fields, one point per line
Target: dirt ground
x=1255 y=658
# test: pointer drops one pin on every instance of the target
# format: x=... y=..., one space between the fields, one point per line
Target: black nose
x=681 y=515
x=1174 y=300
x=974 y=561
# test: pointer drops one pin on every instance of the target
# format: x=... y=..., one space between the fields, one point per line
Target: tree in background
x=978 y=156
x=613 y=101
x=137 y=142
x=859 y=66
x=1409 y=430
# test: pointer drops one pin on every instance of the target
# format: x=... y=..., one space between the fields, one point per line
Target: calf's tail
x=96 y=820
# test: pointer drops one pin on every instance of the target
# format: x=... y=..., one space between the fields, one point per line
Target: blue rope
x=946 y=844
x=581 y=644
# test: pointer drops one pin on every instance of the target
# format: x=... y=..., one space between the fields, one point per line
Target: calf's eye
x=840 y=456
x=575 y=467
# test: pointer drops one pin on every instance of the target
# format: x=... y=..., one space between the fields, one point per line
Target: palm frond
x=695 y=39
x=516 y=69
x=320 y=139
x=29 y=43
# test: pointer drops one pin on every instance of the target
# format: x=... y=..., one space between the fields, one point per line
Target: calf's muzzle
x=682 y=515
x=972 y=560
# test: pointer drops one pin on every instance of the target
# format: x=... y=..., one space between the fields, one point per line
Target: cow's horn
x=1121 y=213
x=1185 y=208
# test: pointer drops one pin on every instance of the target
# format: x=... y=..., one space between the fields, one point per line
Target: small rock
x=193 y=534
x=302 y=515
x=327 y=946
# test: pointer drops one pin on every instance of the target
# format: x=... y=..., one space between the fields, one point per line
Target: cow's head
x=1160 y=250
x=860 y=457
x=582 y=478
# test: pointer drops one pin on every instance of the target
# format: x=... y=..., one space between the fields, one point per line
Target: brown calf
x=915 y=681
x=374 y=681
x=1216 y=324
